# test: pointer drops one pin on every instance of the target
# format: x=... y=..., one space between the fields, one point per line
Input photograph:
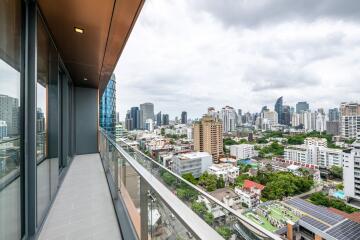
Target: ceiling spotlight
x=78 y=30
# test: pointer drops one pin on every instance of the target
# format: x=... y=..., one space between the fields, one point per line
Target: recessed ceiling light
x=79 y=30
x=85 y=79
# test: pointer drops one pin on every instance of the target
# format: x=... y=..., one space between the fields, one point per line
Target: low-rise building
x=225 y=170
x=242 y=151
x=195 y=163
x=250 y=193
x=314 y=151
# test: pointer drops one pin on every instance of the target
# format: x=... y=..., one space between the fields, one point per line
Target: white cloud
x=182 y=58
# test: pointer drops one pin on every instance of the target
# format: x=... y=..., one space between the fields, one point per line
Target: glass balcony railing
x=9 y=159
x=171 y=201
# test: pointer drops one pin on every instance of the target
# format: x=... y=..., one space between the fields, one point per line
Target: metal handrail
x=180 y=209
x=207 y=195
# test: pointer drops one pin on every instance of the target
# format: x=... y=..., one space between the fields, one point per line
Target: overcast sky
x=192 y=54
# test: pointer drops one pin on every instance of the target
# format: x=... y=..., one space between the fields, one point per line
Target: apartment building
x=351 y=172
x=227 y=171
x=349 y=120
x=314 y=151
x=208 y=137
x=242 y=151
x=195 y=163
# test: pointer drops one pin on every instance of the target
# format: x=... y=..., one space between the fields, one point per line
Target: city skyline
x=221 y=58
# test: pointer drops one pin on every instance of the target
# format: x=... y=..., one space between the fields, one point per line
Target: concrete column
x=290 y=231
x=317 y=237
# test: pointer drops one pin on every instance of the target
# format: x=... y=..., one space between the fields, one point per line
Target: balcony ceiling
x=93 y=54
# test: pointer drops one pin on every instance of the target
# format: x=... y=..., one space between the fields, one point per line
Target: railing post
x=144 y=208
x=116 y=177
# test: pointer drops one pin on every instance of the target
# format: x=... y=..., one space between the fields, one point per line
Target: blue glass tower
x=108 y=107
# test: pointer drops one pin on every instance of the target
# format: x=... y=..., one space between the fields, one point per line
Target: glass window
x=10 y=72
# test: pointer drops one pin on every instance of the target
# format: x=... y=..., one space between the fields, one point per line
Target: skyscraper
x=9 y=112
x=349 y=120
x=108 y=107
x=135 y=115
x=279 y=109
x=208 y=137
x=165 y=119
x=146 y=112
x=158 y=119
x=228 y=117
x=184 y=117
x=128 y=121
x=286 y=115
x=301 y=107
x=334 y=115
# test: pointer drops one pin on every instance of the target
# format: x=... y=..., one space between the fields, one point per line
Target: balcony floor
x=83 y=208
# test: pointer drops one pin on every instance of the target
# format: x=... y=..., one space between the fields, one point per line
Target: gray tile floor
x=83 y=208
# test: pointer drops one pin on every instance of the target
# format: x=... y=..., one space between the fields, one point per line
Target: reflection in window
x=10 y=72
x=41 y=91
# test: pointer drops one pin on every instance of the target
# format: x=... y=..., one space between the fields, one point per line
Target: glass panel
x=163 y=223
x=10 y=58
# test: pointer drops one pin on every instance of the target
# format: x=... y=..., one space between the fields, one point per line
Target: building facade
x=208 y=137
x=301 y=107
x=242 y=151
x=146 y=112
x=349 y=120
x=195 y=163
x=108 y=107
x=183 y=117
x=351 y=172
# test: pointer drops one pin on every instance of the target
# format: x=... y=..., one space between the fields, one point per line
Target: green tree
x=168 y=178
x=189 y=177
x=209 y=218
x=336 y=171
x=225 y=232
x=208 y=181
x=162 y=131
x=220 y=183
x=187 y=193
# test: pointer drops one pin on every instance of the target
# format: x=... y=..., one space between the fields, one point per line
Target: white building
x=225 y=170
x=228 y=117
x=309 y=120
x=314 y=151
x=242 y=151
x=320 y=122
x=195 y=163
x=149 y=125
x=250 y=199
x=272 y=116
x=351 y=172
x=349 y=120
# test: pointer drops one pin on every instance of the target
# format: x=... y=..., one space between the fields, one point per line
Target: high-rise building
x=149 y=125
x=165 y=119
x=135 y=116
x=349 y=120
x=228 y=117
x=146 y=112
x=279 y=109
x=3 y=129
x=9 y=112
x=333 y=128
x=320 y=121
x=272 y=116
x=184 y=117
x=208 y=136
x=158 y=119
x=117 y=117
x=334 y=115
x=351 y=172
x=309 y=120
x=286 y=115
x=301 y=107
x=108 y=107
x=128 y=121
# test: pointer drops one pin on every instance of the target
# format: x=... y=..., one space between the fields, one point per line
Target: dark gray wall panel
x=86 y=120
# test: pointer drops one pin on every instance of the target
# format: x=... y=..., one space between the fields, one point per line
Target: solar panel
x=318 y=212
x=347 y=230
x=314 y=223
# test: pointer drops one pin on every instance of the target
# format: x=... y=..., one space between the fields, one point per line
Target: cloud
x=188 y=55
x=250 y=13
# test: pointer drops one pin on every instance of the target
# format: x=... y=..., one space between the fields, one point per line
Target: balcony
x=122 y=194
